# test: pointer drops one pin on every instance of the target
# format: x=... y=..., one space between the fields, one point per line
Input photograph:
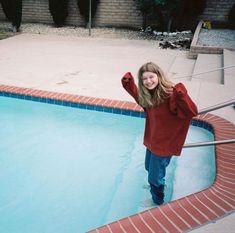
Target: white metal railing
x=204 y=72
x=211 y=143
x=217 y=106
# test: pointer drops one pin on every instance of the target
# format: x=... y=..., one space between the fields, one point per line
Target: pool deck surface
x=94 y=66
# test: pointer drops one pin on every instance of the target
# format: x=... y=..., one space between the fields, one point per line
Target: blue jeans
x=156 y=167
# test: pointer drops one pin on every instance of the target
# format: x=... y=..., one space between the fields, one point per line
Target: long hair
x=162 y=90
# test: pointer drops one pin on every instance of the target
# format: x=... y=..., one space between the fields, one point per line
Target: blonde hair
x=162 y=90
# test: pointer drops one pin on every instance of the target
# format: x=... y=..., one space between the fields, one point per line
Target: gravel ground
x=176 y=40
x=80 y=31
x=97 y=32
x=213 y=37
x=217 y=38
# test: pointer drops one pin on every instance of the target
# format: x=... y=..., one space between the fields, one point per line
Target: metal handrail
x=210 y=143
x=217 y=106
x=204 y=72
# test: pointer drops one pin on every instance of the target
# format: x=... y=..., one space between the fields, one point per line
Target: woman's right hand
x=127 y=77
x=128 y=83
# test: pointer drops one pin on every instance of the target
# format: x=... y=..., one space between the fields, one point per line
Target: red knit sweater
x=166 y=125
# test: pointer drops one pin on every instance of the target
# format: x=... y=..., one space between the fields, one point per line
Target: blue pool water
x=66 y=169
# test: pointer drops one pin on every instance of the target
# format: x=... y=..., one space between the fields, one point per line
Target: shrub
x=59 y=11
x=159 y=10
x=83 y=6
x=170 y=13
x=231 y=17
x=7 y=9
x=13 y=11
x=187 y=17
x=146 y=8
x=17 y=14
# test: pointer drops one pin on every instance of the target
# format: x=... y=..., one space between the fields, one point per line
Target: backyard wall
x=217 y=10
x=111 y=13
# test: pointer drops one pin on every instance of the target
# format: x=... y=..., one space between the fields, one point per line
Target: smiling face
x=150 y=80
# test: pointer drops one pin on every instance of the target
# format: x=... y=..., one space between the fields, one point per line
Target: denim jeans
x=156 y=167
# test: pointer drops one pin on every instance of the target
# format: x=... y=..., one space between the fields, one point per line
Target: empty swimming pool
x=70 y=170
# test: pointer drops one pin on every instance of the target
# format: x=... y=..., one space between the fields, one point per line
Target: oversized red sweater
x=166 y=125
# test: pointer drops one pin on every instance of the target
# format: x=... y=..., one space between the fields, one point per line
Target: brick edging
x=197 y=209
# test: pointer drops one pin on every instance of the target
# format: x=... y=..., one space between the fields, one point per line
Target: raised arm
x=181 y=104
x=129 y=85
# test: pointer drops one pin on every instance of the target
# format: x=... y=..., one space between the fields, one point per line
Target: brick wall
x=217 y=10
x=111 y=13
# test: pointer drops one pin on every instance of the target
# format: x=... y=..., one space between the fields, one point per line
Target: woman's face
x=150 y=80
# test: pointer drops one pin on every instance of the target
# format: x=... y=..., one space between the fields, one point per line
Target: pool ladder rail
x=211 y=143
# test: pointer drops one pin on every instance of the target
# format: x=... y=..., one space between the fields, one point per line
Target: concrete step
x=229 y=73
x=181 y=68
x=205 y=63
x=210 y=94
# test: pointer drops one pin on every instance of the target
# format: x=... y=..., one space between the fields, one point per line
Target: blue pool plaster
x=51 y=160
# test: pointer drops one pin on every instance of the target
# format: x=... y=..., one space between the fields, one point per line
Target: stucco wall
x=111 y=13
x=217 y=10
x=117 y=13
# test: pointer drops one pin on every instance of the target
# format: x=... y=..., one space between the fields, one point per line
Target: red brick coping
x=179 y=215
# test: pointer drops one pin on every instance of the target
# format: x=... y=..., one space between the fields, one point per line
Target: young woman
x=169 y=110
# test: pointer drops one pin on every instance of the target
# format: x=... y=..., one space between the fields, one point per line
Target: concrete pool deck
x=93 y=67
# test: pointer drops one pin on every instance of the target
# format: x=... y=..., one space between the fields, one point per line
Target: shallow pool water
x=66 y=169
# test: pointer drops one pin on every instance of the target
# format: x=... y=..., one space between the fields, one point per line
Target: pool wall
x=180 y=215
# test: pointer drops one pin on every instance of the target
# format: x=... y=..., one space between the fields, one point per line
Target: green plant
x=231 y=17
x=162 y=10
x=145 y=7
x=170 y=13
x=187 y=18
x=13 y=12
x=7 y=8
x=17 y=14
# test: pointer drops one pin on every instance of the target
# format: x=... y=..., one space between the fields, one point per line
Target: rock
x=148 y=29
x=156 y=33
x=173 y=34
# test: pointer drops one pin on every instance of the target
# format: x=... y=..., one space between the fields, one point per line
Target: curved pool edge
x=195 y=210
x=180 y=215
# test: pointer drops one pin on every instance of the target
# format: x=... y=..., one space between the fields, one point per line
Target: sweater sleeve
x=181 y=104
x=129 y=85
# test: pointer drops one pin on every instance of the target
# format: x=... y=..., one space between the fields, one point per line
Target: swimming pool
x=43 y=167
